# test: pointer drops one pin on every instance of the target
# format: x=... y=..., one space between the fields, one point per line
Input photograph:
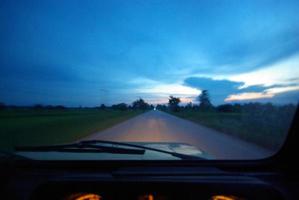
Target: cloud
x=266 y=94
x=218 y=89
x=33 y=71
x=171 y=89
x=284 y=72
x=278 y=90
x=279 y=98
x=74 y=51
x=158 y=92
x=253 y=53
x=230 y=91
x=248 y=96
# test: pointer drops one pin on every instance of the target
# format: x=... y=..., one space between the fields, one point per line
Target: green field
x=267 y=129
x=43 y=127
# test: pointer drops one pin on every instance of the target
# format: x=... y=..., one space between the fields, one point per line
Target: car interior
x=149 y=100
x=271 y=178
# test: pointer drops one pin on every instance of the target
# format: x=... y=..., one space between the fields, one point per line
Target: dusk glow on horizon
x=105 y=52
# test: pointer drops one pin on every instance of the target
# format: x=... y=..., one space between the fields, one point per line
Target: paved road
x=157 y=126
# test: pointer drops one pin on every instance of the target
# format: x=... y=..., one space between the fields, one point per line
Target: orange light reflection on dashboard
x=86 y=196
x=146 y=197
x=224 y=197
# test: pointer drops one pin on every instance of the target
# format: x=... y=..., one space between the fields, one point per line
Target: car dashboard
x=144 y=183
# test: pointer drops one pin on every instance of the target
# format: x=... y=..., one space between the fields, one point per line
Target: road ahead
x=157 y=126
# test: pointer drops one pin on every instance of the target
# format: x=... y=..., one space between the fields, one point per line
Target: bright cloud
x=277 y=90
x=284 y=72
x=145 y=85
x=159 y=92
x=172 y=89
x=248 y=96
x=268 y=93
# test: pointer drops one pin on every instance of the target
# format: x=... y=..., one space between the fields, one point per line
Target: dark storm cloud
x=218 y=89
x=39 y=72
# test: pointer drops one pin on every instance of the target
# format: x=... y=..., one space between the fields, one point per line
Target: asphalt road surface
x=157 y=126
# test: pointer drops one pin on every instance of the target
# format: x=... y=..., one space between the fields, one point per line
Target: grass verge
x=268 y=130
x=45 y=127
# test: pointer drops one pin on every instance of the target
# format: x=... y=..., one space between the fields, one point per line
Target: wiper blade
x=178 y=155
x=81 y=147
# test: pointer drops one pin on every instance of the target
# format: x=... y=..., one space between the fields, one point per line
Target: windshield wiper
x=81 y=147
x=92 y=146
x=178 y=155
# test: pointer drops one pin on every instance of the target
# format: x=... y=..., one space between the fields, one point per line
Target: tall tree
x=103 y=106
x=140 y=104
x=173 y=103
x=204 y=101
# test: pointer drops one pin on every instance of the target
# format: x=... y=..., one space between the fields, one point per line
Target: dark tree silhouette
x=236 y=108
x=103 y=107
x=173 y=103
x=152 y=107
x=38 y=106
x=120 y=106
x=189 y=106
x=225 y=108
x=2 y=106
x=205 y=103
x=140 y=104
x=161 y=107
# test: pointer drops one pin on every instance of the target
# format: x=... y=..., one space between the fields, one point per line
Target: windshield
x=205 y=79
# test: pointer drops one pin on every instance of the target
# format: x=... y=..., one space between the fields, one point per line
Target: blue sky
x=92 y=52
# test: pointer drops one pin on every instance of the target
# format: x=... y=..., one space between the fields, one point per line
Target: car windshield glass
x=170 y=80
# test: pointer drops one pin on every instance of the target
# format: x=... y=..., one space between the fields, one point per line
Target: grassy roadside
x=267 y=130
x=43 y=127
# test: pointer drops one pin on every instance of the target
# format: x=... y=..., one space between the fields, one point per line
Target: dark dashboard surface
x=144 y=182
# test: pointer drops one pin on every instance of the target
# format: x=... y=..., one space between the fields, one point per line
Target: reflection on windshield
x=219 y=78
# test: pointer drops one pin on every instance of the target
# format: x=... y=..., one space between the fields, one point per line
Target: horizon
x=181 y=104
x=107 y=52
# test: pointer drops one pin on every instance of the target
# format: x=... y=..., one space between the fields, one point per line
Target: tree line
x=203 y=99
x=204 y=105
x=138 y=104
